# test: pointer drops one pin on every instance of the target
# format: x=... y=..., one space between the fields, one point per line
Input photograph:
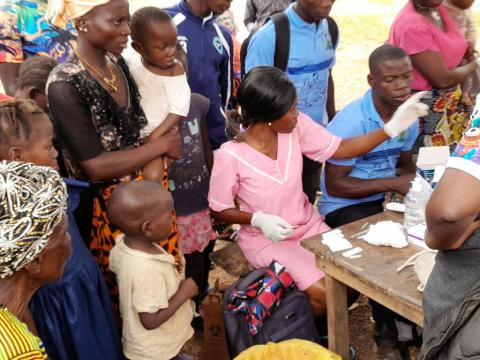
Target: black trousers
x=386 y=332
x=311 y=178
x=198 y=267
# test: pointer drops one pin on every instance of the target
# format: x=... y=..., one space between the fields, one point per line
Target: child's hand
x=179 y=266
x=189 y=287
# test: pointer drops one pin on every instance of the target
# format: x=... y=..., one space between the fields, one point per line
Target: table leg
x=337 y=315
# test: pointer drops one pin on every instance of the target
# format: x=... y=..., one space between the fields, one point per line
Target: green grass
x=359 y=36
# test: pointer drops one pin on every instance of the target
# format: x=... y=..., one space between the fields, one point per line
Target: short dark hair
x=35 y=71
x=143 y=18
x=266 y=94
x=384 y=53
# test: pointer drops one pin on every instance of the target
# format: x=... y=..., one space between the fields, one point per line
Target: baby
x=154 y=301
x=161 y=79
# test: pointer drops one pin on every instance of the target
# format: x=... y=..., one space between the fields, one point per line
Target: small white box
x=429 y=157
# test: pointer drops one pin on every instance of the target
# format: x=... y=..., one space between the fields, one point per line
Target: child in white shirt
x=161 y=79
x=154 y=300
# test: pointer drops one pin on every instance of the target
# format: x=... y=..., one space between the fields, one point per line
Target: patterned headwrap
x=33 y=201
x=60 y=11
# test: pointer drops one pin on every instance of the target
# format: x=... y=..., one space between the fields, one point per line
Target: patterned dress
x=16 y=340
x=88 y=121
x=24 y=33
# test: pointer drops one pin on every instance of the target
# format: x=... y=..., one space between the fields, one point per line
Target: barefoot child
x=154 y=302
x=161 y=79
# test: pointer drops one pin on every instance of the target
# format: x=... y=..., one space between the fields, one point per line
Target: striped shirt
x=16 y=341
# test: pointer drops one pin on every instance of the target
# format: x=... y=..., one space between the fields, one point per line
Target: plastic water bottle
x=415 y=204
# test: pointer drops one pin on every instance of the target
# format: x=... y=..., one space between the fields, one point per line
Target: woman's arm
x=450 y=212
x=114 y=164
x=233 y=216
x=358 y=145
x=431 y=66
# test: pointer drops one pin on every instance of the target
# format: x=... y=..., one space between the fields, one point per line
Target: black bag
x=291 y=319
x=282 y=41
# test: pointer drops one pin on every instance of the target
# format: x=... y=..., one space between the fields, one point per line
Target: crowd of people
x=110 y=259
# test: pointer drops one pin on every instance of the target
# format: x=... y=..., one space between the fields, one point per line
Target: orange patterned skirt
x=104 y=234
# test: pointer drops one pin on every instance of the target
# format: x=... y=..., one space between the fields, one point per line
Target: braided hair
x=16 y=118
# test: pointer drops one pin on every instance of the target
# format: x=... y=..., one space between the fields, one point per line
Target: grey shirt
x=258 y=11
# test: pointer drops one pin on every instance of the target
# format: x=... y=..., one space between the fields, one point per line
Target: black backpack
x=291 y=319
x=282 y=41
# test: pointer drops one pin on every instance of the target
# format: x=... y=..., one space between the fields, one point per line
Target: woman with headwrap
x=34 y=246
x=95 y=106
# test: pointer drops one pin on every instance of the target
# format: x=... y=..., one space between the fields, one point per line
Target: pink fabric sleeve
x=224 y=182
x=316 y=142
x=416 y=38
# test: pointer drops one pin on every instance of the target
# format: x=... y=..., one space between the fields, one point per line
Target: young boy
x=161 y=79
x=154 y=302
x=210 y=53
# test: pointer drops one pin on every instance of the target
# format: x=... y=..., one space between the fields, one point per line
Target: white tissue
x=386 y=233
x=336 y=241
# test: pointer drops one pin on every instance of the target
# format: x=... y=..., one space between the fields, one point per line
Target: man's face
x=316 y=9
x=218 y=6
x=391 y=81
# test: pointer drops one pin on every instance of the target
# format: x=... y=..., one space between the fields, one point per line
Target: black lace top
x=87 y=119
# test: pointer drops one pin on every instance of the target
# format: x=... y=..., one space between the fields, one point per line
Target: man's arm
x=331 y=111
x=452 y=210
x=339 y=183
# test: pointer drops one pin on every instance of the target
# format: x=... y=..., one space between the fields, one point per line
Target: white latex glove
x=272 y=226
x=406 y=115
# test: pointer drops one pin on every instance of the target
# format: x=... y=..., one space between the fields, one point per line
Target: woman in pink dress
x=437 y=47
x=256 y=179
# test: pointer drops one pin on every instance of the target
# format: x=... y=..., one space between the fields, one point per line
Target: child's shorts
x=195 y=231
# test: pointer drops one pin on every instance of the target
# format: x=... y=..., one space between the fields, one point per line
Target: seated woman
x=436 y=47
x=451 y=297
x=34 y=248
x=261 y=171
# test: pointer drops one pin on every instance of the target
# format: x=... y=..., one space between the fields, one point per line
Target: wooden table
x=374 y=274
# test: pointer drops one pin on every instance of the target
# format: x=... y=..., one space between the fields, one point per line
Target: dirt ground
x=360 y=323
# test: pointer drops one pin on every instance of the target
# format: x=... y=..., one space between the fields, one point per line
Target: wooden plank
x=231 y=259
x=374 y=274
x=337 y=317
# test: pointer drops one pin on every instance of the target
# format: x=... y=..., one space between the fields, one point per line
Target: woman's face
x=56 y=253
x=287 y=122
x=108 y=26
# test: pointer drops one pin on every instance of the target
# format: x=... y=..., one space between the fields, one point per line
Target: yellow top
x=16 y=341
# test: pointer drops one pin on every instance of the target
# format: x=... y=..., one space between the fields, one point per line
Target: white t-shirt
x=160 y=95
x=146 y=282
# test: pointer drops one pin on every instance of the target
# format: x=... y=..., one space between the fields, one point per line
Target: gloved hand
x=406 y=115
x=272 y=226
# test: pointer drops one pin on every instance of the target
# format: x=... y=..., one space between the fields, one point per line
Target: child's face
x=39 y=150
x=159 y=49
x=463 y=4
x=162 y=221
